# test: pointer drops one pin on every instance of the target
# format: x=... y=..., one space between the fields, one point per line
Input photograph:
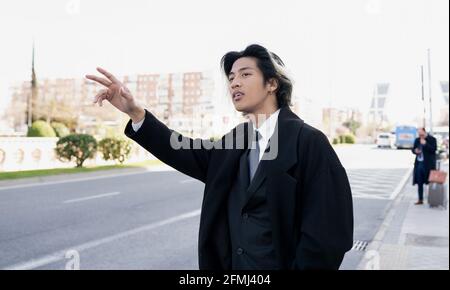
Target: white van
x=385 y=140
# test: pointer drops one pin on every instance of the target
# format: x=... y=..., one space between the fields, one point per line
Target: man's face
x=422 y=133
x=246 y=85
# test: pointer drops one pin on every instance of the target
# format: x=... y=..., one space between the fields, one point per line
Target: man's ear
x=272 y=84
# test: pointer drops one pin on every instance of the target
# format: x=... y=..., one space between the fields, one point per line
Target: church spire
x=32 y=96
x=33 y=73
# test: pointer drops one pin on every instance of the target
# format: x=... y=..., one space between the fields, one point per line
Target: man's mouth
x=237 y=96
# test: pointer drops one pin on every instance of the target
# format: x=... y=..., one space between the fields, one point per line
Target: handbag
x=437 y=176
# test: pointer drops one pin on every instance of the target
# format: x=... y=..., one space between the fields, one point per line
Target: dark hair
x=423 y=128
x=270 y=65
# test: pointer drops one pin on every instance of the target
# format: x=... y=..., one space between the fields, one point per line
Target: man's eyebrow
x=241 y=69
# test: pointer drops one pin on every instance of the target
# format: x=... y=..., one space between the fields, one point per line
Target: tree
x=352 y=125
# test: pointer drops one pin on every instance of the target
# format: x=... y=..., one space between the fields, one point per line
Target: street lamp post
x=429 y=89
x=423 y=97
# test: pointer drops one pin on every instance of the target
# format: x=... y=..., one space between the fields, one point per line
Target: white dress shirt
x=137 y=125
x=266 y=130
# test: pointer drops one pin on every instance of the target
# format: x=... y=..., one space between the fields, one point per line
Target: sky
x=335 y=51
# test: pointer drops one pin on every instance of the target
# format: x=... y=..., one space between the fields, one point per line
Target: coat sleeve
x=186 y=155
x=415 y=146
x=326 y=232
x=430 y=146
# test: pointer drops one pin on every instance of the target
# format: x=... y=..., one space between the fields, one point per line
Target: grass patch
x=56 y=171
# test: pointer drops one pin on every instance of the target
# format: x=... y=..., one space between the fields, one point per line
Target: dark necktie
x=253 y=155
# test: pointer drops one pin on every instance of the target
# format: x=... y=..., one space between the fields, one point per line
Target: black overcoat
x=429 y=156
x=308 y=191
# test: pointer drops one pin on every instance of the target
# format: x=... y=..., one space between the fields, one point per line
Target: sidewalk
x=412 y=237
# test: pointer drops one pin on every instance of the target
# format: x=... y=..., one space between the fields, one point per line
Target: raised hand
x=116 y=93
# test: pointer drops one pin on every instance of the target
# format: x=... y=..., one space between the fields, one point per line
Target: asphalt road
x=149 y=220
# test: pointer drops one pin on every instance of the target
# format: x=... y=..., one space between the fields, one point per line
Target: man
x=425 y=161
x=280 y=201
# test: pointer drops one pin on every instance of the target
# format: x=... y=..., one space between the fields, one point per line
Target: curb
x=74 y=177
x=390 y=211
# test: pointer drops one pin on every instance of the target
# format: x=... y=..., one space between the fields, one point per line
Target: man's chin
x=245 y=113
x=244 y=110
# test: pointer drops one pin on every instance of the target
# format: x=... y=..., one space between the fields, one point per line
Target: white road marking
x=60 y=255
x=91 y=197
x=401 y=184
x=368 y=196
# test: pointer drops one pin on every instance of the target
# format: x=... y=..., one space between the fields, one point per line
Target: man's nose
x=235 y=84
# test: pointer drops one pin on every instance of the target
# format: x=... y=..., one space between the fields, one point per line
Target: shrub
x=41 y=129
x=349 y=139
x=77 y=147
x=214 y=138
x=116 y=149
x=60 y=129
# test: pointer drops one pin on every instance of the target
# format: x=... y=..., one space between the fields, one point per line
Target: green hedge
x=349 y=139
x=61 y=130
x=41 y=129
x=344 y=139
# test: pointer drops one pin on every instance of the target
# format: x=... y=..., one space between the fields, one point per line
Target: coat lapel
x=280 y=154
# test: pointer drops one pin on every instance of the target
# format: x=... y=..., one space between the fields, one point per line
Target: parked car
x=385 y=140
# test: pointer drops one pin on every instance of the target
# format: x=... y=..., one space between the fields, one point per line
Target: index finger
x=102 y=81
x=108 y=75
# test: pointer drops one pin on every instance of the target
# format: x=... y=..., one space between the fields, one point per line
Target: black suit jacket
x=308 y=192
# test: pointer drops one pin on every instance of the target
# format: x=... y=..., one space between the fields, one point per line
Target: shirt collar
x=268 y=126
